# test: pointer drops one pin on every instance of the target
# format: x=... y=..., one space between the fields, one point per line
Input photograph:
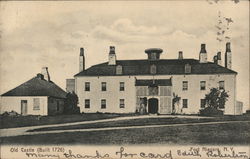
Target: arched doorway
x=153 y=105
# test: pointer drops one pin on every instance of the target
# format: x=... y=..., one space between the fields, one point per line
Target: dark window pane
x=104 y=86
x=122 y=86
x=103 y=103
x=221 y=85
x=184 y=85
x=203 y=85
x=87 y=86
x=184 y=103
x=203 y=103
x=87 y=103
x=122 y=103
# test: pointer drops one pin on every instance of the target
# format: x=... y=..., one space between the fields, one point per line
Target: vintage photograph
x=125 y=73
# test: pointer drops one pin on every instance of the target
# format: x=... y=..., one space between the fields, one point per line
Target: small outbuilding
x=38 y=96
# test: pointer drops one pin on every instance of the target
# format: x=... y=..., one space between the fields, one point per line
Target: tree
x=71 y=103
x=216 y=98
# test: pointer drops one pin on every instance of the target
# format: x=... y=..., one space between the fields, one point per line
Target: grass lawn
x=217 y=134
x=32 y=120
x=145 y=121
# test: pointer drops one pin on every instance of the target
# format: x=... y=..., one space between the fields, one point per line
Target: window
x=87 y=103
x=104 y=86
x=119 y=70
x=36 y=104
x=122 y=86
x=122 y=103
x=187 y=68
x=184 y=85
x=87 y=86
x=103 y=104
x=153 y=69
x=153 y=90
x=221 y=85
x=57 y=105
x=203 y=103
x=184 y=103
x=203 y=85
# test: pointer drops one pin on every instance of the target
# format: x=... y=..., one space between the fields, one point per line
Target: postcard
x=124 y=79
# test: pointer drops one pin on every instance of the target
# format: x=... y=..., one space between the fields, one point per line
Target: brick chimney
x=45 y=73
x=203 y=54
x=81 y=60
x=40 y=76
x=219 y=58
x=228 y=56
x=112 y=56
x=180 y=55
x=215 y=59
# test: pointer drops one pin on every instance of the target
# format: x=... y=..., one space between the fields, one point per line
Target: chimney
x=45 y=73
x=203 y=54
x=40 y=76
x=219 y=58
x=228 y=56
x=180 y=57
x=81 y=60
x=215 y=59
x=112 y=56
x=228 y=47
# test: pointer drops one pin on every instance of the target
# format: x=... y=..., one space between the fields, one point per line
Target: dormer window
x=187 y=68
x=153 y=56
x=119 y=70
x=153 y=69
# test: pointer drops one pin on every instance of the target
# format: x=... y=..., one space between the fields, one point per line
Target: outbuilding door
x=153 y=105
x=24 y=107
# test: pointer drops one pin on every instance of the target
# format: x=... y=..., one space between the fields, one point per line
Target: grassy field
x=217 y=134
x=145 y=121
x=32 y=120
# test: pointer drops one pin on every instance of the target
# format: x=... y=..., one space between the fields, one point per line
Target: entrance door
x=24 y=107
x=153 y=105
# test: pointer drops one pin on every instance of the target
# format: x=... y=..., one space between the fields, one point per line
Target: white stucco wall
x=9 y=103
x=194 y=94
x=112 y=95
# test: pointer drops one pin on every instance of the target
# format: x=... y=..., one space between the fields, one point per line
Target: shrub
x=211 y=111
x=71 y=102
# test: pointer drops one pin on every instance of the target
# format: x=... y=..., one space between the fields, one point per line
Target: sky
x=37 y=34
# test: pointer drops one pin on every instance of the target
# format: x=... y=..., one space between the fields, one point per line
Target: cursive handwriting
x=97 y=155
x=191 y=152
x=39 y=155
x=225 y=154
x=123 y=154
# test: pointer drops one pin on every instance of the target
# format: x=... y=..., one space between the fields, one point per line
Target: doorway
x=153 y=105
x=24 y=107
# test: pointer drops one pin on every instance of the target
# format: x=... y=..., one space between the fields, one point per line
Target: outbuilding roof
x=163 y=66
x=37 y=87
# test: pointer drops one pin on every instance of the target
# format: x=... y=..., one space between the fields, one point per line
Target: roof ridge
x=37 y=87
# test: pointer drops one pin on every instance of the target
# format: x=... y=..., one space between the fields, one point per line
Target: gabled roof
x=157 y=82
x=37 y=87
x=164 y=67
